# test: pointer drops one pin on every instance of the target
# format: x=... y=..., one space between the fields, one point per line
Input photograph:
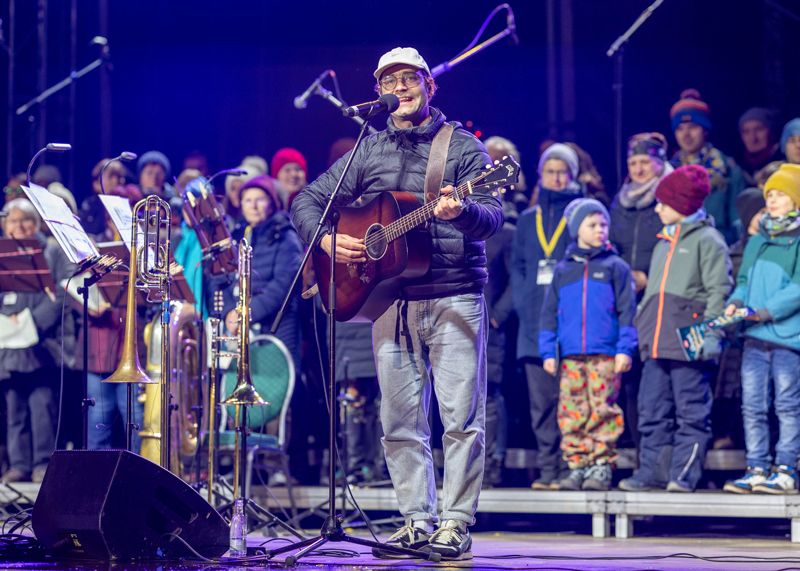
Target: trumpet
x=148 y=270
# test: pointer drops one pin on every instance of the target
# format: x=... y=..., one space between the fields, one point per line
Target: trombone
x=245 y=393
x=149 y=271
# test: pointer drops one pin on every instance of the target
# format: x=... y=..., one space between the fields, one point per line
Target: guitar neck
x=423 y=214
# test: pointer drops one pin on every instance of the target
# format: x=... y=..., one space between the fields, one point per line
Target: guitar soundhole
x=375 y=241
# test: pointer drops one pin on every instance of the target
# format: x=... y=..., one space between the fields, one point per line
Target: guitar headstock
x=503 y=173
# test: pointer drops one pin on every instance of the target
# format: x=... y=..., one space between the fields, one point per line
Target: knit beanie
x=786 y=180
x=761 y=114
x=684 y=189
x=155 y=157
x=267 y=184
x=579 y=209
x=791 y=129
x=654 y=145
x=561 y=152
x=285 y=156
x=748 y=203
x=690 y=108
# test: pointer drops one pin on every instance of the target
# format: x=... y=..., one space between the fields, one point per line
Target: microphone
x=387 y=102
x=52 y=147
x=231 y=172
x=301 y=101
x=124 y=156
x=511 y=25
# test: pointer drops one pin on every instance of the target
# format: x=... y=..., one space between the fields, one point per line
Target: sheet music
x=64 y=225
x=119 y=209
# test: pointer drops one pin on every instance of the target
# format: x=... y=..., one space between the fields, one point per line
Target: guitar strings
x=413 y=219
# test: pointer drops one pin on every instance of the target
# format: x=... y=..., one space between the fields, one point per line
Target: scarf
x=781 y=224
x=639 y=196
x=668 y=231
x=711 y=159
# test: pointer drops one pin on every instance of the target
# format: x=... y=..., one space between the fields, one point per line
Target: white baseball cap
x=408 y=56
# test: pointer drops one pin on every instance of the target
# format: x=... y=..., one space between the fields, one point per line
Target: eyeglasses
x=409 y=79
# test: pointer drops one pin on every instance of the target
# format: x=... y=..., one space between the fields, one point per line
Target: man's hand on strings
x=448 y=206
x=348 y=248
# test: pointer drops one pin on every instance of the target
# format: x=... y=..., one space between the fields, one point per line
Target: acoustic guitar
x=398 y=249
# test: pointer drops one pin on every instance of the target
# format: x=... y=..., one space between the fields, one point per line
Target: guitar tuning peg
x=496 y=162
x=505 y=157
x=488 y=165
x=512 y=187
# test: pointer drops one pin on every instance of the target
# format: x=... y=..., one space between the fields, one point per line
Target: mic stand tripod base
x=332 y=531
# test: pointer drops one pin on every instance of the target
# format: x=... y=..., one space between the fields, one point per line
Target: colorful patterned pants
x=588 y=415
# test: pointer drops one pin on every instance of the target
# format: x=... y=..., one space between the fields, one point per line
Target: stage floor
x=524 y=551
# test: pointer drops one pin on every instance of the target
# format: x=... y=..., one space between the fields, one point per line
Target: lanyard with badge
x=544 y=274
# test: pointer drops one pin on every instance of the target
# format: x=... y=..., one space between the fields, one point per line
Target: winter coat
x=634 y=233
x=277 y=253
x=689 y=280
x=526 y=252
x=589 y=306
x=498 y=299
x=769 y=282
x=395 y=160
x=46 y=314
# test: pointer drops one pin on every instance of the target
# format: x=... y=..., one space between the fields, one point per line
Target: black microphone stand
x=616 y=50
x=332 y=530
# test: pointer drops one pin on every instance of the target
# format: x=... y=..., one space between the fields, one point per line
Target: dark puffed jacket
x=276 y=257
x=395 y=160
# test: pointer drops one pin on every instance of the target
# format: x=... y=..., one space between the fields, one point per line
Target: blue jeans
x=111 y=403
x=437 y=344
x=760 y=362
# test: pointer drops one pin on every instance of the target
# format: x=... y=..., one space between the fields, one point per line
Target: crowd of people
x=593 y=286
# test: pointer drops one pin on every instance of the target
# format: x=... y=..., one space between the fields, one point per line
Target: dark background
x=220 y=77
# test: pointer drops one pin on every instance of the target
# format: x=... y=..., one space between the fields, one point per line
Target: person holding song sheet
x=433 y=335
x=28 y=354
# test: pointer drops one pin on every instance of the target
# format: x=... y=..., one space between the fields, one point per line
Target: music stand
x=23 y=267
x=81 y=251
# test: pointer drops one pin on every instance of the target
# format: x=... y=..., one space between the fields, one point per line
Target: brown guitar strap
x=434 y=172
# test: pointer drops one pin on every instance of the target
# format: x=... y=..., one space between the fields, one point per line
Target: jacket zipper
x=659 y=313
x=583 y=321
x=635 y=241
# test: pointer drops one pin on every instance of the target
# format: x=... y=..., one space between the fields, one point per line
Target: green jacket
x=688 y=282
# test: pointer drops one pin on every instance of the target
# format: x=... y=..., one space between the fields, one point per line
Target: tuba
x=148 y=270
x=183 y=339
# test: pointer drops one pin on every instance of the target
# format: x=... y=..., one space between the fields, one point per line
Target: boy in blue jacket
x=769 y=283
x=587 y=322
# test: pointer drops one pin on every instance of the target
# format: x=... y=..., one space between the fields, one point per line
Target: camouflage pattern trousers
x=589 y=417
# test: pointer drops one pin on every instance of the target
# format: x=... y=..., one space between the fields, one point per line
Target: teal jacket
x=769 y=282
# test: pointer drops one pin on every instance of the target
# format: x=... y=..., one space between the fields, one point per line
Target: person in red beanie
x=688 y=282
x=289 y=166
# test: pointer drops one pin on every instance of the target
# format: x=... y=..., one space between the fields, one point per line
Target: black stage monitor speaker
x=113 y=504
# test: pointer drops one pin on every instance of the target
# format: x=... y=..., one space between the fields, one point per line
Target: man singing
x=434 y=335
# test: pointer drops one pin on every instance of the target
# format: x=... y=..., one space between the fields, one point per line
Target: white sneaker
x=783 y=480
x=752 y=477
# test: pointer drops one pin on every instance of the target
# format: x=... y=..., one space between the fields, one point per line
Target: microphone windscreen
x=391 y=101
x=128 y=156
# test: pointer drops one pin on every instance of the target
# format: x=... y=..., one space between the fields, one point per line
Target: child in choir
x=587 y=323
